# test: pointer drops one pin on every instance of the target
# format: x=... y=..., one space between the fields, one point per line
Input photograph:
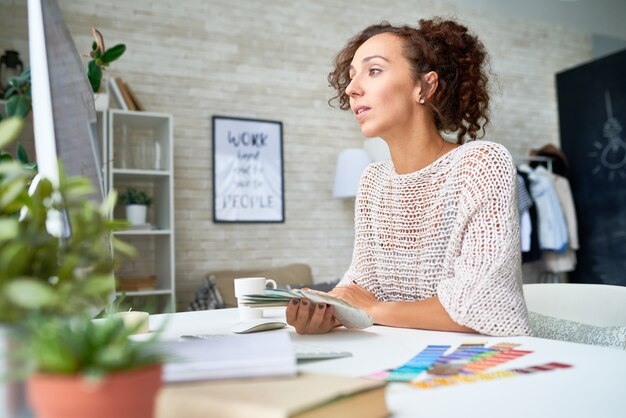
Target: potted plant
x=90 y=368
x=100 y=58
x=137 y=203
x=41 y=273
x=18 y=95
x=38 y=271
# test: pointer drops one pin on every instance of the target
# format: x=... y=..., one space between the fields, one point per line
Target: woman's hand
x=310 y=318
x=357 y=296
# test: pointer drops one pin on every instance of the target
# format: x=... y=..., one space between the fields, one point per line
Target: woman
x=436 y=233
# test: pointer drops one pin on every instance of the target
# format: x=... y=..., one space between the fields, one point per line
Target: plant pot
x=101 y=98
x=136 y=214
x=127 y=394
x=101 y=101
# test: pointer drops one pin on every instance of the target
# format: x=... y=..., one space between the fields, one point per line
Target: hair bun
x=457 y=56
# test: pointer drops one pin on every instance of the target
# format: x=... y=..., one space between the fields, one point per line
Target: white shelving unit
x=139 y=154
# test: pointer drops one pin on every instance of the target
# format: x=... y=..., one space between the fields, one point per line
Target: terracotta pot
x=128 y=394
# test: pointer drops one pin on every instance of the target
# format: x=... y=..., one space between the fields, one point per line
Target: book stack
x=305 y=396
x=136 y=283
x=124 y=94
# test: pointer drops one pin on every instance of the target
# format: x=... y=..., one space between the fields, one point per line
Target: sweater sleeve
x=484 y=291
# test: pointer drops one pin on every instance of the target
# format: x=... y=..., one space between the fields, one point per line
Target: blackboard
x=592 y=119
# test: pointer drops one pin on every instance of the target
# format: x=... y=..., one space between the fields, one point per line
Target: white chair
x=593 y=304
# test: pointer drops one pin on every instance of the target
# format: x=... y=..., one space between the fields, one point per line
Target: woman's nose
x=353 y=88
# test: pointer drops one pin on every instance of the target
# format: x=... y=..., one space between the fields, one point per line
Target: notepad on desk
x=304 y=396
x=350 y=316
x=227 y=357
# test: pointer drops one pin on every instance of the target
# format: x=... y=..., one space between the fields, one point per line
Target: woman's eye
x=375 y=71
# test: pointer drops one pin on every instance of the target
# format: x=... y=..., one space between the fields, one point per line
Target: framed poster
x=247 y=170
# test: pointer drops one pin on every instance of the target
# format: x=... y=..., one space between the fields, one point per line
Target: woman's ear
x=430 y=83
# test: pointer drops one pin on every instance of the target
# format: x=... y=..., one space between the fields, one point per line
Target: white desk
x=593 y=387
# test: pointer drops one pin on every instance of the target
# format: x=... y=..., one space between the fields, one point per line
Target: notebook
x=226 y=356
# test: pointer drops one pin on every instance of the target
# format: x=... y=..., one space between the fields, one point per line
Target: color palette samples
x=468 y=363
x=483 y=376
x=414 y=367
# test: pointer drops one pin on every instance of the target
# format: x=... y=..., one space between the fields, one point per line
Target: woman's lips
x=361 y=112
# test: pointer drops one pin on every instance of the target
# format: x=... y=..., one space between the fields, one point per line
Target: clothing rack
x=533 y=158
x=545 y=276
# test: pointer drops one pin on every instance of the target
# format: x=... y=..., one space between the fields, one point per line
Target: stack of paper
x=349 y=316
x=228 y=356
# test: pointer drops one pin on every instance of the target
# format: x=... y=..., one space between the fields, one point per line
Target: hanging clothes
x=552 y=228
x=564 y=194
x=534 y=252
x=566 y=261
x=524 y=202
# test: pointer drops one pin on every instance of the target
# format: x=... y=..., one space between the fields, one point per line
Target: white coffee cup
x=247 y=286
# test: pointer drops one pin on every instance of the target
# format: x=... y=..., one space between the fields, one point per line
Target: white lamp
x=377 y=149
x=350 y=165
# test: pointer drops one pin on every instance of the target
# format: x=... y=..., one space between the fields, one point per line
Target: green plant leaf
x=18 y=105
x=11 y=105
x=94 y=73
x=9 y=229
x=123 y=248
x=80 y=345
x=21 y=154
x=113 y=53
x=10 y=191
x=31 y=294
x=24 y=77
x=14 y=258
x=98 y=285
x=10 y=92
x=15 y=82
x=10 y=128
x=135 y=197
x=107 y=206
x=23 y=106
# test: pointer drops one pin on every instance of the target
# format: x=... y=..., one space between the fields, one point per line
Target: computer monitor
x=64 y=115
x=65 y=124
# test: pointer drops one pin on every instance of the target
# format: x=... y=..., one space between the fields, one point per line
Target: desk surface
x=594 y=386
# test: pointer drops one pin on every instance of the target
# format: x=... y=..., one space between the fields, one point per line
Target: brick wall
x=269 y=60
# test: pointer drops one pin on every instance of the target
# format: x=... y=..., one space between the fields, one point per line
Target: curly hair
x=461 y=101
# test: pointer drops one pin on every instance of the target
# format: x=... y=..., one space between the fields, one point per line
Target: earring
x=422 y=100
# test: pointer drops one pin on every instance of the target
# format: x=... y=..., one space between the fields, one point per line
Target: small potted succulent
x=81 y=367
x=137 y=203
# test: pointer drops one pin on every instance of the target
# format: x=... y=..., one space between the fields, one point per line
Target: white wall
x=603 y=17
x=269 y=60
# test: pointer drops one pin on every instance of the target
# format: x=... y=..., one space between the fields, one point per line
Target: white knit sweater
x=449 y=230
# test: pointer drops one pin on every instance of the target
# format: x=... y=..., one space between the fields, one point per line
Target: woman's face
x=383 y=95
